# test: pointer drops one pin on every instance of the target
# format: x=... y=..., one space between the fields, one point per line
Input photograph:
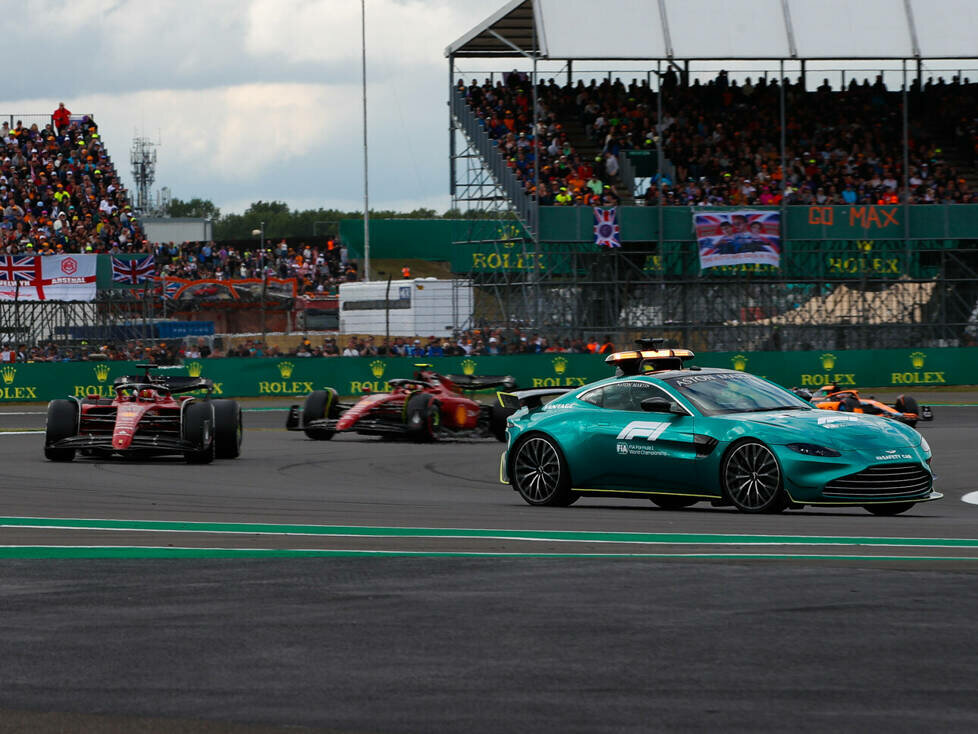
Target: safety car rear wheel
x=228 y=429
x=320 y=404
x=198 y=428
x=751 y=478
x=422 y=414
x=540 y=473
x=62 y=423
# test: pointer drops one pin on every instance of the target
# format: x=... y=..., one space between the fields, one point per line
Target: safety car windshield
x=734 y=392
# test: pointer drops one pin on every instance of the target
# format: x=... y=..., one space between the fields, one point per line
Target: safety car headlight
x=811 y=449
x=924 y=445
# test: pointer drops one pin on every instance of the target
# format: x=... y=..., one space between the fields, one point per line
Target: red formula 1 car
x=905 y=409
x=422 y=408
x=147 y=417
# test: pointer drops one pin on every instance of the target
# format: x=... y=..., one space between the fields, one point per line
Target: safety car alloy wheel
x=540 y=473
x=752 y=478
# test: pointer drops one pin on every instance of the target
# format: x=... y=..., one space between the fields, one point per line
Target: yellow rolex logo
x=739 y=362
x=468 y=366
x=101 y=372
x=917 y=359
x=865 y=245
x=560 y=365
x=285 y=369
x=828 y=361
x=377 y=368
x=8 y=373
x=194 y=369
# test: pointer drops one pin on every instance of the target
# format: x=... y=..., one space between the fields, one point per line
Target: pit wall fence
x=294 y=377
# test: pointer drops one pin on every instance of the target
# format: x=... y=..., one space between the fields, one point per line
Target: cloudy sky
x=258 y=99
x=253 y=99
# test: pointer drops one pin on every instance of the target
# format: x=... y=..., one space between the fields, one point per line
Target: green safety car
x=679 y=434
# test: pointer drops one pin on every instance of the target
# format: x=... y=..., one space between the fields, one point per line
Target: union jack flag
x=738 y=238
x=135 y=270
x=18 y=267
x=167 y=288
x=606 y=229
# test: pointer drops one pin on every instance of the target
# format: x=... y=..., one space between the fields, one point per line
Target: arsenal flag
x=47 y=277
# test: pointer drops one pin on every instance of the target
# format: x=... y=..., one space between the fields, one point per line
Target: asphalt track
x=367 y=586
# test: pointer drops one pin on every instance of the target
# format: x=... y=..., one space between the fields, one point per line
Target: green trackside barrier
x=293 y=377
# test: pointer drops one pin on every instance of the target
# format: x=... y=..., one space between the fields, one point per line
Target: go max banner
x=47 y=277
x=738 y=238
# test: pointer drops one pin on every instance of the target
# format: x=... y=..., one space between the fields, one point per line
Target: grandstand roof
x=725 y=29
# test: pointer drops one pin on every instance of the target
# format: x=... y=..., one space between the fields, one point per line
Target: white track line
x=971 y=498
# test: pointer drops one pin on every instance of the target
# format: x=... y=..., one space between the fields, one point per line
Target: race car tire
x=320 y=404
x=672 y=502
x=540 y=473
x=62 y=423
x=422 y=414
x=497 y=421
x=907 y=404
x=751 y=478
x=198 y=428
x=889 y=509
x=849 y=404
x=228 y=429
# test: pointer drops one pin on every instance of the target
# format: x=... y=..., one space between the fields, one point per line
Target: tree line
x=285 y=222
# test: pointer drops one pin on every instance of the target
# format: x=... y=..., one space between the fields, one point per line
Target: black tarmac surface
x=471 y=644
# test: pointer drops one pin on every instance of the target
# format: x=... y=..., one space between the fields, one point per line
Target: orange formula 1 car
x=905 y=409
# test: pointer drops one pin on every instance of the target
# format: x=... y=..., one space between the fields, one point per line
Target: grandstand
x=861 y=135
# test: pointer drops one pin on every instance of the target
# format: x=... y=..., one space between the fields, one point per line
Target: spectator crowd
x=723 y=139
x=60 y=192
x=475 y=342
x=317 y=270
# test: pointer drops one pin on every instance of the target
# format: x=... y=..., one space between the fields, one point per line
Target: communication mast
x=143 y=160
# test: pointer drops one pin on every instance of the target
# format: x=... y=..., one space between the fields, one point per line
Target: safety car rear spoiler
x=529 y=398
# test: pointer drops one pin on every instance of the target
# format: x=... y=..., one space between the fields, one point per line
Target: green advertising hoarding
x=294 y=377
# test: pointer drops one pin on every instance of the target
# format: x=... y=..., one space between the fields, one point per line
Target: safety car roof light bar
x=637 y=361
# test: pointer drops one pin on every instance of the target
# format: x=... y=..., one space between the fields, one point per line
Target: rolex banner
x=47 y=277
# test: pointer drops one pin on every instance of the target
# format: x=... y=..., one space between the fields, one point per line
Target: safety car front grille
x=882 y=481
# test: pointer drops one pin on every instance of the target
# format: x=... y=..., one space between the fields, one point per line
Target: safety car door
x=641 y=450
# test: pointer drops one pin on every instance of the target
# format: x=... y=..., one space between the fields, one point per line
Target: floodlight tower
x=143 y=160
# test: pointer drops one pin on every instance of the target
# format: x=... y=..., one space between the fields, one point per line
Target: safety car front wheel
x=751 y=478
x=539 y=472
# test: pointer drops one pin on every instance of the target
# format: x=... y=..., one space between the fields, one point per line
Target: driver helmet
x=146 y=394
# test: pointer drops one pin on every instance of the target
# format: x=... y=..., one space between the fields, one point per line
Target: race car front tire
x=198 y=428
x=320 y=404
x=422 y=415
x=228 y=429
x=908 y=404
x=497 y=421
x=62 y=423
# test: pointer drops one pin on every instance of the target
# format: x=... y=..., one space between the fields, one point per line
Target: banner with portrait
x=738 y=238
